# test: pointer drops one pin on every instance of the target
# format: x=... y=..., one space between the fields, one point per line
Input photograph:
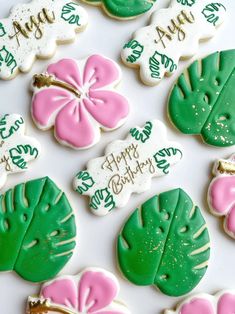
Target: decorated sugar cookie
x=165 y=243
x=16 y=149
x=222 y=303
x=202 y=100
x=173 y=33
x=34 y=30
x=127 y=167
x=94 y=290
x=123 y=9
x=37 y=230
x=221 y=194
x=79 y=99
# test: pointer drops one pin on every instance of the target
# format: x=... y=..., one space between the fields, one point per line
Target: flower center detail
x=41 y=306
x=43 y=80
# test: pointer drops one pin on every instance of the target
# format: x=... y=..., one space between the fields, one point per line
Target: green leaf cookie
x=37 y=230
x=124 y=9
x=202 y=100
x=165 y=243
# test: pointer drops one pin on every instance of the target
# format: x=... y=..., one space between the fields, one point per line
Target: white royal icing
x=16 y=149
x=127 y=167
x=173 y=33
x=34 y=30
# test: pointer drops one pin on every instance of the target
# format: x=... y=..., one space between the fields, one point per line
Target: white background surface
x=97 y=236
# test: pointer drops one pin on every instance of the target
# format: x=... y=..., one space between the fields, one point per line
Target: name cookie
x=122 y=9
x=173 y=33
x=222 y=303
x=221 y=195
x=94 y=290
x=127 y=167
x=79 y=99
x=37 y=230
x=16 y=149
x=202 y=100
x=165 y=244
x=33 y=30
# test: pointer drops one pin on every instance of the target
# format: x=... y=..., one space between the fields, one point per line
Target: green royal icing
x=35 y=220
x=69 y=13
x=7 y=59
x=2 y=30
x=187 y=2
x=161 y=158
x=156 y=62
x=7 y=129
x=212 y=12
x=136 y=50
x=102 y=198
x=85 y=182
x=123 y=8
x=142 y=134
x=202 y=100
x=165 y=243
x=18 y=153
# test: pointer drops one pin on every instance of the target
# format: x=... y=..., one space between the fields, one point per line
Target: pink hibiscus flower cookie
x=78 y=99
x=221 y=194
x=222 y=303
x=92 y=291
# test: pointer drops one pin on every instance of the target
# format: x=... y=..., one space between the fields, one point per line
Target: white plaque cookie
x=173 y=33
x=34 y=29
x=127 y=167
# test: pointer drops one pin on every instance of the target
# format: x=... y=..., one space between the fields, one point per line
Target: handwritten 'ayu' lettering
x=176 y=27
x=34 y=25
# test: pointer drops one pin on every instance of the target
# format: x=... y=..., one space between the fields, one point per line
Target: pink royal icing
x=197 y=306
x=83 y=104
x=226 y=304
x=221 y=303
x=221 y=195
x=92 y=291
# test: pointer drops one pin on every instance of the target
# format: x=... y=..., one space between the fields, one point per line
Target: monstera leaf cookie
x=79 y=99
x=92 y=291
x=173 y=33
x=16 y=149
x=222 y=303
x=34 y=29
x=37 y=230
x=221 y=193
x=127 y=167
x=165 y=243
x=202 y=100
x=124 y=9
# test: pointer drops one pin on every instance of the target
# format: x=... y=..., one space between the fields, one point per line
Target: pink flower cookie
x=78 y=99
x=221 y=194
x=221 y=303
x=92 y=291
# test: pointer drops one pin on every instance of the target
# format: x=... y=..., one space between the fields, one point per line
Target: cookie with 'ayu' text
x=34 y=29
x=173 y=33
